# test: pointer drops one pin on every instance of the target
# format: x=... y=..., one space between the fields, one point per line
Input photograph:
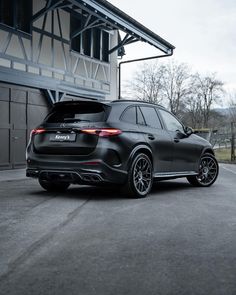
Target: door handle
x=151 y=136
x=176 y=139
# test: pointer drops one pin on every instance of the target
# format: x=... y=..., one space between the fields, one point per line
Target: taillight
x=102 y=132
x=36 y=131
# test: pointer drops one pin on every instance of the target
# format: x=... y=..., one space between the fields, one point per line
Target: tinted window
x=140 y=118
x=151 y=117
x=129 y=115
x=74 y=114
x=172 y=124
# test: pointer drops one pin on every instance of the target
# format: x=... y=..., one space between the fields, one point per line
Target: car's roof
x=131 y=101
x=107 y=102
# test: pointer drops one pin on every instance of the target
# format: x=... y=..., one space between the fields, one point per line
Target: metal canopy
x=101 y=13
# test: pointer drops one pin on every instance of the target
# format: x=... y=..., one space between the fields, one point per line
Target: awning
x=101 y=13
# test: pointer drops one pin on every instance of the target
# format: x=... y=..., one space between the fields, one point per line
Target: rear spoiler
x=82 y=101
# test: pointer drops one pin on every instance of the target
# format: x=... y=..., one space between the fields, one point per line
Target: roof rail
x=137 y=101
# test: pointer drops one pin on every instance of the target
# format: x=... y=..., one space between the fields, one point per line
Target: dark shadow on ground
x=106 y=193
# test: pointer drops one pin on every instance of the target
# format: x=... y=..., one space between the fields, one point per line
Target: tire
x=53 y=186
x=208 y=171
x=140 y=178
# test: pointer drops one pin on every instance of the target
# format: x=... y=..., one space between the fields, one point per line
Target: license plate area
x=63 y=137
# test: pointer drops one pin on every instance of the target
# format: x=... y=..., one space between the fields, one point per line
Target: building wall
x=21 y=110
x=46 y=59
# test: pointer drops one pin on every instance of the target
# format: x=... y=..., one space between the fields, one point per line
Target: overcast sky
x=203 y=32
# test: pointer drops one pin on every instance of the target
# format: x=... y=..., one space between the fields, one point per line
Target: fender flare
x=208 y=150
x=136 y=149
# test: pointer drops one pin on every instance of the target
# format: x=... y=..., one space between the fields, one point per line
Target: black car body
x=122 y=142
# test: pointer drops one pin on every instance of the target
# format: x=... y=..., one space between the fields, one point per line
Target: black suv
x=124 y=143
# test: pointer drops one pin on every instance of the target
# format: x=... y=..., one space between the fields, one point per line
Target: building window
x=91 y=42
x=86 y=43
x=16 y=14
x=75 y=24
x=96 y=43
x=105 y=46
x=6 y=15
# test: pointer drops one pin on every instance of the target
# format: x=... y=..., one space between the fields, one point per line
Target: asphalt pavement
x=179 y=240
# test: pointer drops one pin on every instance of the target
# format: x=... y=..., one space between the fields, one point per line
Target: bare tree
x=162 y=83
x=232 y=106
x=175 y=85
x=147 y=83
x=193 y=112
x=208 y=90
x=188 y=96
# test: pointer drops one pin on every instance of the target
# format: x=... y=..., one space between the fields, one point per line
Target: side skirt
x=169 y=175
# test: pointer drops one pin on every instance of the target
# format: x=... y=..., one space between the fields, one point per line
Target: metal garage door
x=21 y=109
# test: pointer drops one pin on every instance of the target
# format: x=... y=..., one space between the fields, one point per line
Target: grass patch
x=223 y=154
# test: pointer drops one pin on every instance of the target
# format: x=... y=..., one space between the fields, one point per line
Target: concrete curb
x=14 y=174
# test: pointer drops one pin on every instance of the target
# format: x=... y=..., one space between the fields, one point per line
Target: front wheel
x=140 y=179
x=208 y=171
x=53 y=186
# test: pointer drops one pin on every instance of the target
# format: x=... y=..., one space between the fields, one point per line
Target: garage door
x=21 y=109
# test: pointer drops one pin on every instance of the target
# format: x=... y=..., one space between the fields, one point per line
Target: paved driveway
x=179 y=240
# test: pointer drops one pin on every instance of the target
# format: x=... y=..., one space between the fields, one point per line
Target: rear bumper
x=93 y=172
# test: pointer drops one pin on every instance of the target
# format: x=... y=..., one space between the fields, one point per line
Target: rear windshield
x=78 y=113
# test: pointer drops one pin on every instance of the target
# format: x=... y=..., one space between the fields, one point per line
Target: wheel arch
x=140 y=149
x=208 y=150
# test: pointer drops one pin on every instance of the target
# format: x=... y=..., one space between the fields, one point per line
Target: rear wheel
x=140 y=179
x=208 y=171
x=53 y=186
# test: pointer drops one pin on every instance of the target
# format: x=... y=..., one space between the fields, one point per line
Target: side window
x=172 y=124
x=129 y=115
x=140 y=118
x=151 y=117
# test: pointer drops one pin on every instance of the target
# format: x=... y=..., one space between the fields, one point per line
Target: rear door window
x=151 y=117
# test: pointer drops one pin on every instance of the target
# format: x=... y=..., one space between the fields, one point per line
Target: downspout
x=134 y=60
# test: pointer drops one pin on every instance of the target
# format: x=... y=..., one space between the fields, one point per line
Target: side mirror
x=188 y=130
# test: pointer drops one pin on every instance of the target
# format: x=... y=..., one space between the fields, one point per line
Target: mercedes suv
x=125 y=143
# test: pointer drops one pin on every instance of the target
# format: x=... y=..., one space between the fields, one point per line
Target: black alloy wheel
x=53 y=186
x=208 y=171
x=140 y=177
